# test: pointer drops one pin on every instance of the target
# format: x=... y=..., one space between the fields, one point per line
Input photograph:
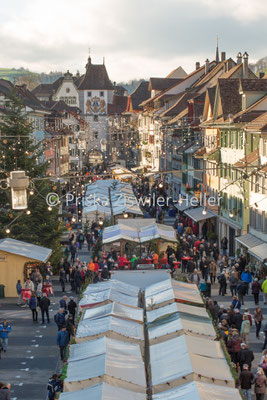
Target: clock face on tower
x=95 y=105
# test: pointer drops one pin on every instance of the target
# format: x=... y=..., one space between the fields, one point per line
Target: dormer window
x=89 y=94
x=101 y=94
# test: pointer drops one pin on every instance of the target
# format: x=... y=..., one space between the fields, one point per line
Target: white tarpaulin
x=180 y=308
x=114 y=309
x=120 y=361
x=110 y=291
x=88 y=328
x=172 y=359
x=199 y=391
x=138 y=232
x=186 y=292
x=159 y=293
x=100 y=193
x=102 y=391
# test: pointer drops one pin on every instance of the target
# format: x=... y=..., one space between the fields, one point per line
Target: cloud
x=139 y=38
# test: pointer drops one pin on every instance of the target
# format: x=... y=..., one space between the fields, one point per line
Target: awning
x=184 y=206
x=196 y=214
x=192 y=149
x=248 y=240
x=199 y=391
x=259 y=252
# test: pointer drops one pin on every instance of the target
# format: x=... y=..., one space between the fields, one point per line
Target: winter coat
x=33 y=303
x=264 y=286
x=59 y=319
x=62 y=338
x=234 y=343
x=72 y=306
x=245 y=356
x=246 y=379
x=245 y=327
x=256 y=287
x=18 y=288
x=44 y=303
x=238 y=321
x=63 y=304
x=258 y=317
x=260 y=384
x=246 y=277
x=5 y=394
x=4 y=330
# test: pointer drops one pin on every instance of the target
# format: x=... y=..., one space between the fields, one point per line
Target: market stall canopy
x=111 y=291
x=199 y=391
x=121 y=172
x=186 y=292
x=115 y=309
x=109 y=325
x=120 y=363
x=103 y=391
x=100 y=193
x=259 y=252
x=248 y=240
x=196 y=214
x=138 y=231
x=24 y=249
x=167 y=372
x=161 y=314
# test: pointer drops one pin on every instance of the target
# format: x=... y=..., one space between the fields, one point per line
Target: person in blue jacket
x=62 y=342
x=246 y=277
x=33 y=303
x=5 y=328
x=59 y=318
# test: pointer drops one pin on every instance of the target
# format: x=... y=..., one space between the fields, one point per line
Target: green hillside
x=11 y=73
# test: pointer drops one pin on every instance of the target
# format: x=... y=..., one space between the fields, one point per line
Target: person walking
x=245 y=356
x=72 y=307
x=19 y=290
x=39 y=291
x=5 y=329
x=62 y=342
x=245 y=328
x=44 y=306
x=246 y=278
x=260 y=384
x=241 y=291
x=233 y=283
x=246 y=380
x=63 y=303
x=33 y=306
x=264 y=289
x=258 y=317
x=62 y=278
x=224 y=245
x=223 y=283
x=256 y=288
x=59 y=318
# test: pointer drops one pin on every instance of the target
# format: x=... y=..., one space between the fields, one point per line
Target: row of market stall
x=166 y=349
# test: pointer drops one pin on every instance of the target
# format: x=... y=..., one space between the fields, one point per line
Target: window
x=89 y=94
x=101 y=94
x=95 y=118
x=95 y=135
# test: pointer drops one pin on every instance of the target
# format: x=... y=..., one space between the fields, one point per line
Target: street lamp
x=204 y=212
x=19 y=184
x=101 y=222
x=125 y=215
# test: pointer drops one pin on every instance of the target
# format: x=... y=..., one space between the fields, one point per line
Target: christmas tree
x=39 y=224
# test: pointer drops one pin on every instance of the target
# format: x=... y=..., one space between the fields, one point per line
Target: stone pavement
x=254 y=344
x=32 y=355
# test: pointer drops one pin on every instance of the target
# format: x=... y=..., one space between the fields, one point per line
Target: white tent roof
x=120 y=360
x=122 y=198
x=115 y=309
x=186 y=292
x=130 y=329
x=140 y=232
x=199 y=391
x=102 y=391
x=176 y=308
x=172 y=359
x=110 y=291
x=24 y=249
x=259 y=252
x=248 y=240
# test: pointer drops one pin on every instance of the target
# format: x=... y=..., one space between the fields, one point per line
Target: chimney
x=223 y=56
x=197 y=65
x=207 y=66
x=245 y=65
x=262 y=74
x=239 y=58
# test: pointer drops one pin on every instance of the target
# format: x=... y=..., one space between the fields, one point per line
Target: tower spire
x=217 y=49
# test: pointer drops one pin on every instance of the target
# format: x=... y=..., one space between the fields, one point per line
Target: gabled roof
x=47 y=89
x=231 y=101
x=24 y=249
x=211 y=93
x=179 y=106
x=258 y=124
x=6 y=86
x=162 y=83
x=118 y=106
x=29 y=99
x=253 y=85
x=95 y=78
x=178 y=73
x=140 y=94
x=248 y=160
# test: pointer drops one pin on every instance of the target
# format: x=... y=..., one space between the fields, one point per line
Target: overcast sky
x=139 y=38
